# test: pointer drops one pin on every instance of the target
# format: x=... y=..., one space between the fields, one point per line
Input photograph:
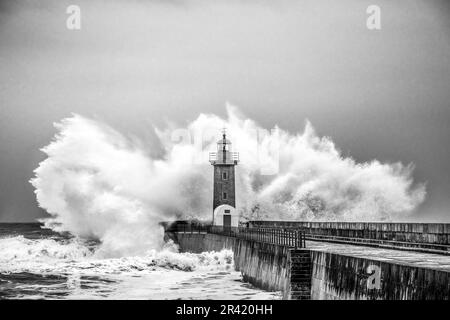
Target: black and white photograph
x=251 y=152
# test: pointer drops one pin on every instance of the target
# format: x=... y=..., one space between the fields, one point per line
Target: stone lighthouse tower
x=224 y=195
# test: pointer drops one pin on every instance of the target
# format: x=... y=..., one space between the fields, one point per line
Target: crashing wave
x=48 y=255
x=98 y=184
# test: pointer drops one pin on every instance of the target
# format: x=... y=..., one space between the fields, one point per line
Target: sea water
x=37 y=263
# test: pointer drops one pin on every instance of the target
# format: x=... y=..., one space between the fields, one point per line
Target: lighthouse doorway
x=227 y=220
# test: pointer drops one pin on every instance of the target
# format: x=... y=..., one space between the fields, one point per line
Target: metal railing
x=188 y=228
x=396 y=236
x=284 y=237
x=232 y=157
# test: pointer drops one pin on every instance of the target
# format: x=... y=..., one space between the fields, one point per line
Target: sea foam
x=74 y=256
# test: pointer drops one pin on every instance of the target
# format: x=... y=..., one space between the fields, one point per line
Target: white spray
x=97 y=183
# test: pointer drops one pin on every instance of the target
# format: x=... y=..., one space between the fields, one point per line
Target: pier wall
x=201 y=242
x=340 y=277
x=261 y=264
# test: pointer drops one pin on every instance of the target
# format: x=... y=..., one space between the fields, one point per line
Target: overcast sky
x=379 y=94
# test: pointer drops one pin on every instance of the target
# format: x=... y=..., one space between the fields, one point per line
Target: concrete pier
x=329 y=270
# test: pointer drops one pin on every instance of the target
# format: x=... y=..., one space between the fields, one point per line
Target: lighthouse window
x=224 y=196
x=224 y=176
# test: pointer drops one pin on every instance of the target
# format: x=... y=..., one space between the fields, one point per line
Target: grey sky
x=379 y=94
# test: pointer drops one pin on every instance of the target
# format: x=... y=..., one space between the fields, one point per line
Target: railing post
x=304 y=240
x=301 y=239
x=290 y=237
x=295 y=235
x=296 y=238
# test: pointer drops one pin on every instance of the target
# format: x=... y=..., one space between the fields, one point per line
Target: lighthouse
x=224 y=195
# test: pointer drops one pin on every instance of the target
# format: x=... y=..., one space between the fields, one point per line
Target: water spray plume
x=98 y=184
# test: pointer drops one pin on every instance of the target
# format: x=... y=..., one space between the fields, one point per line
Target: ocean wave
x=19 y=248
x=73 y=256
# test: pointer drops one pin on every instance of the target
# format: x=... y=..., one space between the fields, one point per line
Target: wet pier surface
x=410 y=258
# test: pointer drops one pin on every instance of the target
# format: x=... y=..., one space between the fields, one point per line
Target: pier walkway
x=409 y=258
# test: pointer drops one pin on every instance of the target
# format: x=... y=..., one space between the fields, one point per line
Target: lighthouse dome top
x=224 y=154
